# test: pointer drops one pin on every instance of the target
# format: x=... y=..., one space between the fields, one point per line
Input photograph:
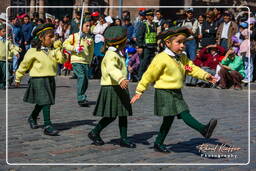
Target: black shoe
x=207 y=133
x=161 y=148
x=126 y=143
x=32 y=123
x=95 y=138
x=49 y=130
x=84 y=103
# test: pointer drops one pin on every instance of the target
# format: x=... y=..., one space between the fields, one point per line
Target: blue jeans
x=248 y=66
x=224 y=43
x=191 y=49
x=14 y=63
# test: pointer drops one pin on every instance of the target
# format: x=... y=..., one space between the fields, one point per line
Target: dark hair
x=11 y=18
x=78 y=13
x=41 y=20
x=35 y=15
x=36 y=42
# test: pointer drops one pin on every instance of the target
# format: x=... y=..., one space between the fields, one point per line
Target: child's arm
x=113 y=70
x=24 y=66
x=68 y=44
x=151 y=75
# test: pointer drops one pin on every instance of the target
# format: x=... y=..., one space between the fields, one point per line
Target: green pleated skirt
x=169 y=102
x=41 y=91
x=113 y=101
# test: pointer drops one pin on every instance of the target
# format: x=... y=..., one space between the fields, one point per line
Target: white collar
x=169 y=52
x=111 y=48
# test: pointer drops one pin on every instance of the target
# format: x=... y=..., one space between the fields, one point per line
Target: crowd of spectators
x=220 y=41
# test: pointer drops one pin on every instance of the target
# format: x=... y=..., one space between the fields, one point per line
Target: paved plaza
x=25 y=145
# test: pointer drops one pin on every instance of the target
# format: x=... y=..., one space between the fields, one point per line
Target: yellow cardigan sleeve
x=196 y=72
x=59 y=56
x=112 y=68
x=24 y=65
x=151 y=75
x=68 y=43
x=91 y=51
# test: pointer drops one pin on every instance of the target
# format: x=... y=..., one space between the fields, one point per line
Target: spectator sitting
x=231 y=72
x=133 y=63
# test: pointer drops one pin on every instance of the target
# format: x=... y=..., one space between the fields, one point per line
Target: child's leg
x=192 y=122
x=164 y=129
x=123 y=133
x=104 y=122
x=48 y=128
x=36 y=112
x=32 y=119
x=46 y=113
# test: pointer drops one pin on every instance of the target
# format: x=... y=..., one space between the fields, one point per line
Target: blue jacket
x=17 y=34
x=26 y=30
x=130 y=30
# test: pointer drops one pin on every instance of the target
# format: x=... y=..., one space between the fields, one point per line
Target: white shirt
x=224 y=34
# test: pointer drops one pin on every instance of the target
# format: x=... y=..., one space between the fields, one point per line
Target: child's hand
x=17 y=84
x=211 y=79
x=79 y=49
x=135 y=98
x=124 y=84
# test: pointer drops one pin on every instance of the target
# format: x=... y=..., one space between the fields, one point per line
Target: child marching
x=114 y=98
x=167 y=71
x=81 y=48
x=41 y=62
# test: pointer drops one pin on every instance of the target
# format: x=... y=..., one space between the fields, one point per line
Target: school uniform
x=113 y=101
x=12 y=50
x=42 y=65
x=80 y=62
x=167 y=70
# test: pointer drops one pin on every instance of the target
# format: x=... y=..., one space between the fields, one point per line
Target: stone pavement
x=25 y=145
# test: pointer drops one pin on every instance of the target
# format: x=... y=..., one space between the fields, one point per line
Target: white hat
x=3 y=16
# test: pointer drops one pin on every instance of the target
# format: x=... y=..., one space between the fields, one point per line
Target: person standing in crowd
x=231 y=72
x=218 y=16
x=118 y=22
x=66 y=19
x=114 y=99
x=133 y=63
x=41 y=62
x=17 y=39
x=244 y=52
x=199 y=31
x=130 y=29
x=146 y=39
x=81 y=48
x=139 y=21
x=160 y=21
x=191 y=23
x=27 y=28
x=209 y=30
x=167 y=71
x=75 y=23
x=99 y=42
x=226 y=30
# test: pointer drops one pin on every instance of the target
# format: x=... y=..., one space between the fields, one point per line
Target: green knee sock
x=164 y=129
x=105 y=121
x=123 y=127
x=36 y=111
x=191 y=121
x=46 y=113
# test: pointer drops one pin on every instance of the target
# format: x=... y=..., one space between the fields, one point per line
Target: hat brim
x=165 y=35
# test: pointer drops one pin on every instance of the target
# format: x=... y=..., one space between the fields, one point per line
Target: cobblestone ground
x=25 y=145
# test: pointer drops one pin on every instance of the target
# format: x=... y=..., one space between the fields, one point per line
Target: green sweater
x=235 y=64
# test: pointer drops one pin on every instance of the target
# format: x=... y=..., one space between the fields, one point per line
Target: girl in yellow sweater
x=41 y=61
x=167 y=70
x=114 y=99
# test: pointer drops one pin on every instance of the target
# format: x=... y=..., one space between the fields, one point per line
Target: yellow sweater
x=84 y=57
x=39 y=63
x=12 y=50
x=113 y=69
x=168 y=73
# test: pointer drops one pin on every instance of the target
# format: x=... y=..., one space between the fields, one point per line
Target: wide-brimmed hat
x=115 y=35
x=174 y=31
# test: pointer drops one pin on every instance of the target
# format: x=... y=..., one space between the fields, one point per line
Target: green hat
x=174 y=31
x=115 y=35
x=149 y=12
x=41 y=28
